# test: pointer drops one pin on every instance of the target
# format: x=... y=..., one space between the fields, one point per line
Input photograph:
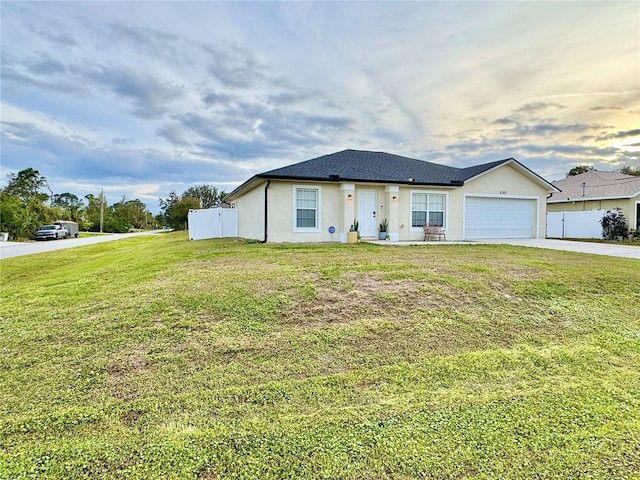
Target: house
x=595 y=190
x=318 y=200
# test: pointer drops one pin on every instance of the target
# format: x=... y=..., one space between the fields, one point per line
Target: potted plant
x=353 y=235
x=383 y=228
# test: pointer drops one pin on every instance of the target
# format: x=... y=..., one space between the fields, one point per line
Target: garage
x=499 y=217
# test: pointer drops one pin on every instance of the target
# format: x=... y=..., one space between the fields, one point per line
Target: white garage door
x=488 y=217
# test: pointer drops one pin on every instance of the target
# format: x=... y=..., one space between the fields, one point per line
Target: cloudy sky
x=141 y=98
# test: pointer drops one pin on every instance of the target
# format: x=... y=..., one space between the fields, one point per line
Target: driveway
x=18 y=249
x=610 y=249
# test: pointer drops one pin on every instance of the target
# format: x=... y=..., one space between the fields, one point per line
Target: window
x=306 y=214
x=427 y=208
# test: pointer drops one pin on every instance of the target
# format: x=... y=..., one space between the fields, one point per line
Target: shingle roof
x=379 y=167
x=361 y=165
x=596 y=185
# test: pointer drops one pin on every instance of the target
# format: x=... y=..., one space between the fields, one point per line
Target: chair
x=433 y=231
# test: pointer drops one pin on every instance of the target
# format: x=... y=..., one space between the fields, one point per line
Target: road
x=18 y=249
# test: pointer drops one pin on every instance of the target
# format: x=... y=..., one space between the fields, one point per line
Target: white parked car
x=51 y=232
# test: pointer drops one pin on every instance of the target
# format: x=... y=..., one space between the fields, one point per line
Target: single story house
x=595 y=190
x=318 y=200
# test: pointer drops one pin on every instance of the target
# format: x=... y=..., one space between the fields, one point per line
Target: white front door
x=367 y=213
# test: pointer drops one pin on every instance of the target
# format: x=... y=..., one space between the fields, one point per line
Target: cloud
x=535 y=107
x=42 y=75
x=146 y=40
x=174 y=134
x=600 y=108
x=620 y=134
x=45 y=65
x=149 y=94
x=234 y=66
x=81 y=158
x=212 y=98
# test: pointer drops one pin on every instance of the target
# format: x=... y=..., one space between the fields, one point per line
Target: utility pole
x=50 y=191
x=101 y=209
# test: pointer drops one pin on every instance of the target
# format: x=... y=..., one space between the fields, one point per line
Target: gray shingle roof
x=596 y=185
x=379 y=167
x=362 y=165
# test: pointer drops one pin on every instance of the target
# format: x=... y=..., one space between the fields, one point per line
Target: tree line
x=627 y=170
x=24 y=207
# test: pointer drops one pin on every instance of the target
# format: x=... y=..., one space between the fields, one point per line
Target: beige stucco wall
x=507 y=181
x=251 y=213
x=504 y=182
x=406 y=232
x=281 y=213
x=628 y=206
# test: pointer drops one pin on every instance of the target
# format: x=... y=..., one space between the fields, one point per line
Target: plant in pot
x=383 y=228
x=353 y=235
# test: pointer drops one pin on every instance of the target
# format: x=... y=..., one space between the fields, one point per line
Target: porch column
x=347 y=191
x=392 y=193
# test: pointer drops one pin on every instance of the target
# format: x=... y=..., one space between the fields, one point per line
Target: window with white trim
x=427 y=208
x=306 y=209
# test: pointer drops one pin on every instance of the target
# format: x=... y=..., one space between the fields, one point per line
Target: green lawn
x=156 y=357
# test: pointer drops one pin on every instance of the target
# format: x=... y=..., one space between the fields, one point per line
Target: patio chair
x=433 y=231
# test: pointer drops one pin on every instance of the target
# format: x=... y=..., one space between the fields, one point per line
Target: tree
x=91 y=220
x=176 y=209
x=26 y=185
x=129 y=214
x=630 y=170
x=22 y=207
x=69 y=203
x=578 y=170
x=207 y=195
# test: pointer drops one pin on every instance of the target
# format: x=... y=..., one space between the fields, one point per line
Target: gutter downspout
x=266 y=222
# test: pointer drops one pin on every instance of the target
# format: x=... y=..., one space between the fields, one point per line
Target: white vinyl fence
x=575 y=224
x=213 y=223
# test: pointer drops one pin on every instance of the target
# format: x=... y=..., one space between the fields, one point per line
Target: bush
x=614 y=224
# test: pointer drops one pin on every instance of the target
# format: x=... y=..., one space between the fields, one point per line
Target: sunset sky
x=141 y=98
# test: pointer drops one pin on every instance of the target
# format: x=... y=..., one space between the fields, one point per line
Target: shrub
x=614 y=224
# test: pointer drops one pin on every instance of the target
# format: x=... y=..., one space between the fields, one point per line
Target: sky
x=142 y=98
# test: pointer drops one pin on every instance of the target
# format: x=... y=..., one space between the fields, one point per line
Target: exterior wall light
x=394 y=199
x=349 y=197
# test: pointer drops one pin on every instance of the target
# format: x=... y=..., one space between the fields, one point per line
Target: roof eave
x=453 y=183
x=246 y=186
x=585 y=199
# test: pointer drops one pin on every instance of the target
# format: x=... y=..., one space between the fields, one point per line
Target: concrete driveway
x=610 y=249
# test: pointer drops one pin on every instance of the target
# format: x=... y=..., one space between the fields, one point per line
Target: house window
x=306 y=209
x=427 y=208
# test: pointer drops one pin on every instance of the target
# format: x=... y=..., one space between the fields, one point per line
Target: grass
x=156 y=357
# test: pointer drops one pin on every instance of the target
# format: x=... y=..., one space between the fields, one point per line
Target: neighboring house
x=595 y=190
x=319 y=199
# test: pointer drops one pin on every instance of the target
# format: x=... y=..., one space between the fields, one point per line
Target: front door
x=367 y=202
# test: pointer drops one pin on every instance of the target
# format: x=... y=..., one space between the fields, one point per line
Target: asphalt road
x=17 y=249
